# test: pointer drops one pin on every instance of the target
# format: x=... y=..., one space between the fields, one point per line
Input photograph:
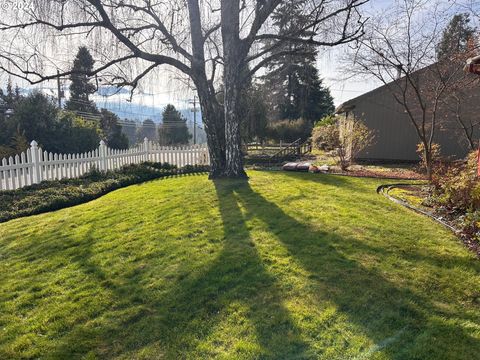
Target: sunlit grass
x=287 y=266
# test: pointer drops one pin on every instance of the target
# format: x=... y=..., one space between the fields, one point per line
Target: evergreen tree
x=112 y=131
x=129 y=129
x=12 y=96
x=173 y=130
x=81 y=87
x=74 y=134
x=295 y=89
x=253 y=111
x=148 y=130
x=35 y=116
x=455 y=36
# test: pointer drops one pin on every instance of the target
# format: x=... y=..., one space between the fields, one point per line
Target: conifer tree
x=81 y=87
x=455 y=36
x=296 y=91
x=173 y=130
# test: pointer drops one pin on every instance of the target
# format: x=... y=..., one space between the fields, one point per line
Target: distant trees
x=173 y=130
x=457 y=44
x=80 y=90
x=9 y=135
x=74 y=134
x=254 y=113
x=129 y=129
x=294 y=87
x=36 y=117
x=112 y=131
x=148 y=130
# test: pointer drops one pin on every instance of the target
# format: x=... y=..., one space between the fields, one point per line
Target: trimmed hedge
x=55 y=195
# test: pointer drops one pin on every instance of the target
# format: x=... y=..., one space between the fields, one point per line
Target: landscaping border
x=385 y=189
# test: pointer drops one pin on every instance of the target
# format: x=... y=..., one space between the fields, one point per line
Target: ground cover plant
x=54 y=195
x=287 y=266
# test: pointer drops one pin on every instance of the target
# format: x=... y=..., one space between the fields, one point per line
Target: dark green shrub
x=161 y=166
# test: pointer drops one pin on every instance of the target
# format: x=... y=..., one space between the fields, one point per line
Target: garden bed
x=418 y=198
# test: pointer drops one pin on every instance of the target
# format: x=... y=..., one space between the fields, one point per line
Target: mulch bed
x=400 y=175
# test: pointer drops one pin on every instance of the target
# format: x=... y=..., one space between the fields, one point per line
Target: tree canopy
x=213 y=43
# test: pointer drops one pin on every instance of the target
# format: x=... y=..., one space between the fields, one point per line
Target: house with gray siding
x=396 y=138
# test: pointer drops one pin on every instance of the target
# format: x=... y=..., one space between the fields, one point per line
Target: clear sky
x=330 y=66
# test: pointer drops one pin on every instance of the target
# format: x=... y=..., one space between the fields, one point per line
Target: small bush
x=346 y=144
x=456 y=193
x=161 y=166
x=435 y=154
x=326 y=120
x=326 y=137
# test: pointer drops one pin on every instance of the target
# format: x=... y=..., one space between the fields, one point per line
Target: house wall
x=395 y=135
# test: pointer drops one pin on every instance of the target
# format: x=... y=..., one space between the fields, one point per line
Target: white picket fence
x=36 y=165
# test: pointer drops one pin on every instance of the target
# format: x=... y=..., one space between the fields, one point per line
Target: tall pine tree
x=455 y=36
x=173 y=130
x=296 y=91
x=81 y=87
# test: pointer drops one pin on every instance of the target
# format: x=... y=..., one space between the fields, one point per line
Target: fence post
x=146 y=148
x=35 y=162
x=103 y=156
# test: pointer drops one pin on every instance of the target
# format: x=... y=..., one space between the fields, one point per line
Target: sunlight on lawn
x=285 y=266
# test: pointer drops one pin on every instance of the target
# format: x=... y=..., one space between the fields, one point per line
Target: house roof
x=350 y=104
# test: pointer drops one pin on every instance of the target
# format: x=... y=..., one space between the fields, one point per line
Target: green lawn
x=289 y=266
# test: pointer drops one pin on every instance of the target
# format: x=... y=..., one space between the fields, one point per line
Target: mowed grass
x=286 y=266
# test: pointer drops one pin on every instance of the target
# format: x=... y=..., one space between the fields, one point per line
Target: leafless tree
x=215 y=43
x=399 y=50
x=462 y=93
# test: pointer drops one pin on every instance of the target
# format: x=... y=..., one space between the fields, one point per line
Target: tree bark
x=233 y=49
x=427 y=153
x=215 y=129
x=233 y=150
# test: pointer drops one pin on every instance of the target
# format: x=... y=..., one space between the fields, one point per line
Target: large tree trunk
x=215 y=130
x=233 y=55
x=233 y=142
x=212 y=116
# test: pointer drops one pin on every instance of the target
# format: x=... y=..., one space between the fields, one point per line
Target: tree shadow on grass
x=182 y=322
x=380 y=308
x=237 y=286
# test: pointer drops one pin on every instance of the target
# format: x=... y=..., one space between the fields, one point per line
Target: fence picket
x=36 y=165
